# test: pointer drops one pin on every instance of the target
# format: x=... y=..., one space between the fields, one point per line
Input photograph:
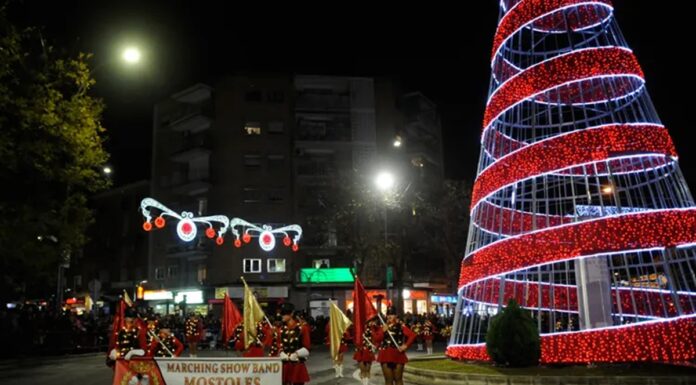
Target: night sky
x=440 y=50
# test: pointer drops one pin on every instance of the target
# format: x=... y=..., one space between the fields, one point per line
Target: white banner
x=221 y=371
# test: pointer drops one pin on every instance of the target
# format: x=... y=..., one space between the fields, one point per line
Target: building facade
x=271 y=149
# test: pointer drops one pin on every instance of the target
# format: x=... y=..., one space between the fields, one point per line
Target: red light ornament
x=246 y=238
x=237 y=243
x=608 y=234
x=219 y=241
x=658 y=341
x=287 y=241
x=575 y=66
x=210 y=232
x=147 y=226
x=159 y=222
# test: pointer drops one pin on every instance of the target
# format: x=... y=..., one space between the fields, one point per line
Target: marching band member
x=364 y=355
x=394 y=338
x=294 y=348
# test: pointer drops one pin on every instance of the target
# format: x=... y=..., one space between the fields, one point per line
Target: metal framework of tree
x=579 y=211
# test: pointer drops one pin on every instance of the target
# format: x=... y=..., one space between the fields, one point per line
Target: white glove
x=283 y=356
x=302 y=353
x=134 y=352
x=294 y=357
x=113 y=354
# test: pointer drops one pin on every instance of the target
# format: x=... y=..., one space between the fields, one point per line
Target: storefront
x=269 y=297
x=175 y=302
x=443 y=304
x=414 y=301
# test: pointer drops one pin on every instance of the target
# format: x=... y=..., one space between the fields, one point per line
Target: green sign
x=328 y=275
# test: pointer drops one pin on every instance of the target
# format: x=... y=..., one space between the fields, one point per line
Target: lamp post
x=385 y=182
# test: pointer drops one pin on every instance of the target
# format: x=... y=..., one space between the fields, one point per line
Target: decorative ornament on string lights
x=187 y=225
x=244 y=231
x=217 y=226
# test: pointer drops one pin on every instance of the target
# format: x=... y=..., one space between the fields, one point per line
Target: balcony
x=332 y=130
x=322 y=102
x=193 y=186
x=195 y=147
x=192 y=122
x=193 y=251
x=316 y=169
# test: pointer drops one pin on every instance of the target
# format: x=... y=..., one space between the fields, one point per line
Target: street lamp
x=131 y=55
x=107 y=170
x=397 y=141
x=384 y=180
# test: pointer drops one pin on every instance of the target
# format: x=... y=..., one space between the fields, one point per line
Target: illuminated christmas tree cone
x=579 y=211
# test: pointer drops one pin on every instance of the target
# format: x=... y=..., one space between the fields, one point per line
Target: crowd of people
x=41 y=330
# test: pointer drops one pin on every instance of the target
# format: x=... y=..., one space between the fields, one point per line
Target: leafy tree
x=513 y=338
x=444 y=223
x=51 y=156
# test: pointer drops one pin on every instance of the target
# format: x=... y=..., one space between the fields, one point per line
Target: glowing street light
x=397 y=141
x=384 y=181
x=131 y=55
x=608 y=189
x=107 y=170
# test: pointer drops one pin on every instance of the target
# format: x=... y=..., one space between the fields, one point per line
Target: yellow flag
x=88 y=303
x=339 y=323
x=127 y=299
x=253 y=314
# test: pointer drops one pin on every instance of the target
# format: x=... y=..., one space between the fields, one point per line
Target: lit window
x=252 y=128
x=202 y=273
x=321 y=263
x=251 y=265
x=159 y=273
x=276 y=265
x=172 y=271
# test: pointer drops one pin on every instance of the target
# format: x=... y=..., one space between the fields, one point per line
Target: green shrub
x=512 y=338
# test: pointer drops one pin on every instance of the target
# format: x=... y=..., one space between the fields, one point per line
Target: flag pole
x=388 y=332
x=379 y=315
x=264 y=313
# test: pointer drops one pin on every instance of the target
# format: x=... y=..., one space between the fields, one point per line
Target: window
x=172 y=271
x=276 y=265
x=276 y=195
x=321 y=263
x=77 y=281
x=253 y=96
x=202 y=206
x=252 y=194
x=202 y=272
x=252 y=160
x=276 y=161
x=159 y=273
x=251 y=265
x=252 y=128
x=275 y=127
x=275 y=96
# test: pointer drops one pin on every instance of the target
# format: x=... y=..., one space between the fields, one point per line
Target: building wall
x=274 y=149
x=117 y=251
x=252 y=171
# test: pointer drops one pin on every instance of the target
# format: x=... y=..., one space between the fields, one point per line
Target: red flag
x=230 y=319
x=117 y=325
x=363 y=310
